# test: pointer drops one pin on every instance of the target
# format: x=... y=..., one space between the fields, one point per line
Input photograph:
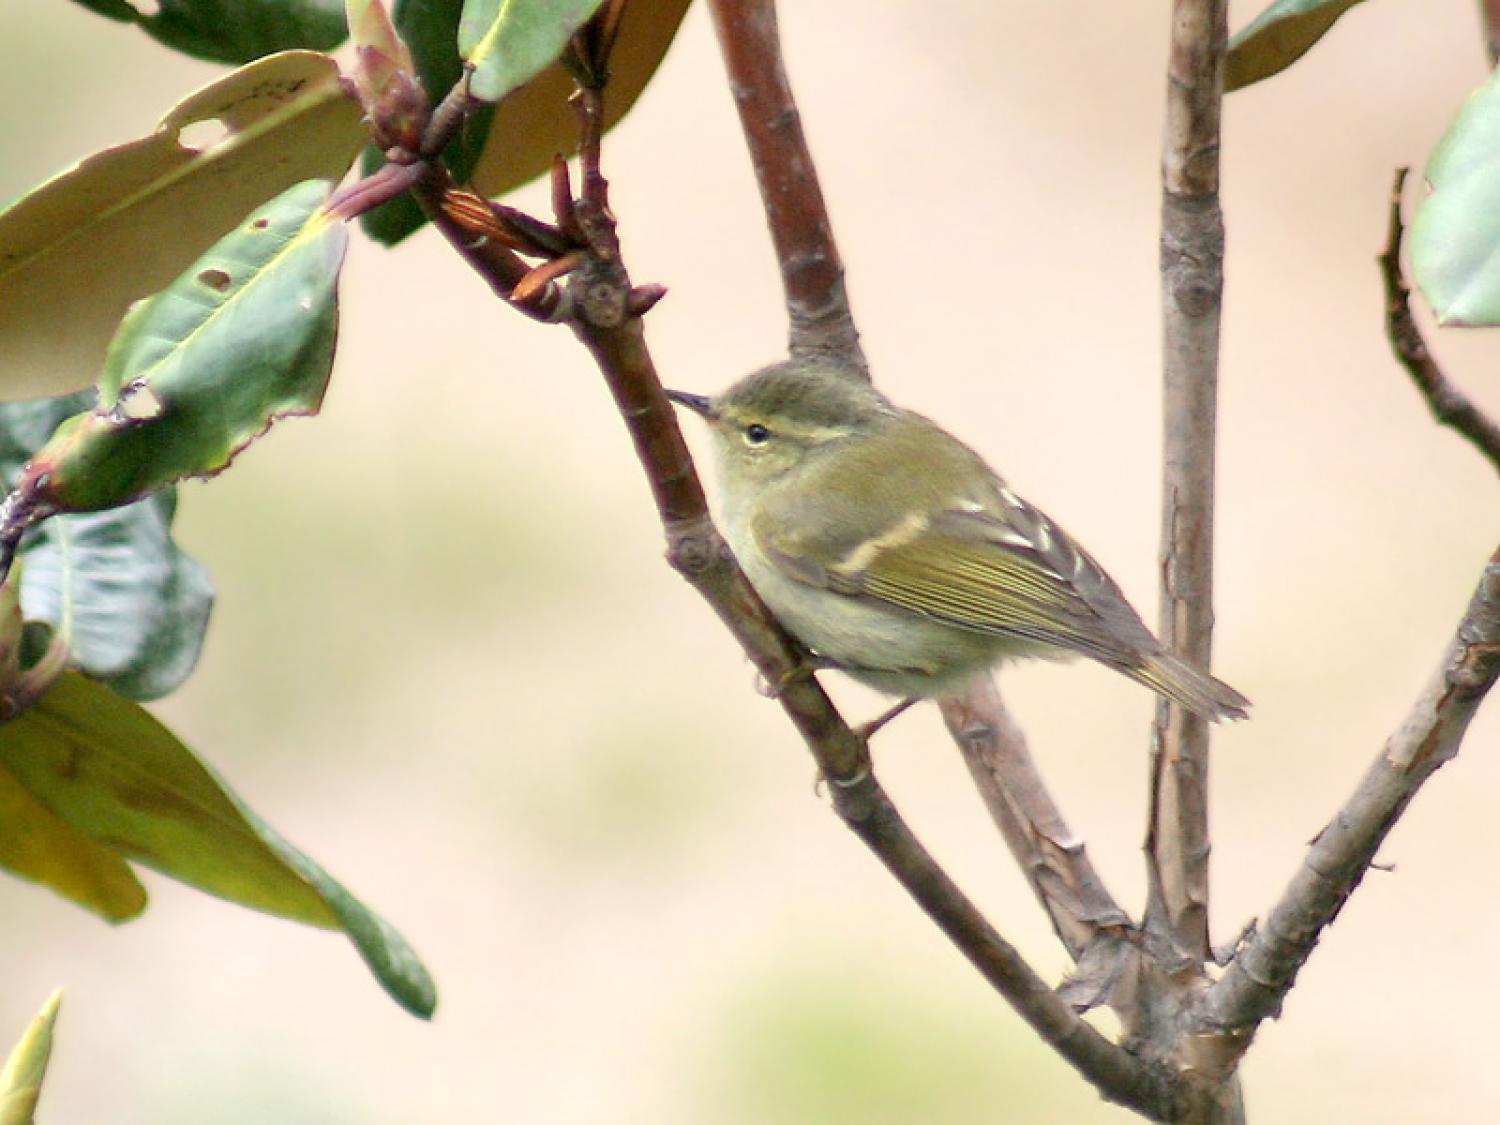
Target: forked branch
x=600 y=308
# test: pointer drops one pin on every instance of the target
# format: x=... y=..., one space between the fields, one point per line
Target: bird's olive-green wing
x=1010 y=571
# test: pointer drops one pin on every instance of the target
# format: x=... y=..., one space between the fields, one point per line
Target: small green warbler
x=892 y=550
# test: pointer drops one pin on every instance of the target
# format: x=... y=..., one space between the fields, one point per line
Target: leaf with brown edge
x=245 y=336
x=77 y=251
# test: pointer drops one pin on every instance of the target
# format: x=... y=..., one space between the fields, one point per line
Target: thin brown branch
x=1192 y=254
x=821 y=325
x=1261 y=974
x=449 y=117
x=1050 y=856
x=1449 y=405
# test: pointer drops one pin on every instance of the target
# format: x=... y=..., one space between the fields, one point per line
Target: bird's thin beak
x=698 y=404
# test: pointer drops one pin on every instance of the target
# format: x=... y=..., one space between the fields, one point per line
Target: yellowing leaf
x=108 y=769
x=37 y=844
x=536 y=122
x=122 y=224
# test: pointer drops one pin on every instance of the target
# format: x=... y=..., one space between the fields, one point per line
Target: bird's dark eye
x=756 y=434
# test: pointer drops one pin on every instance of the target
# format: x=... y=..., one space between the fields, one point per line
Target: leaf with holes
x=198 y=371
x=1278 y=37
x=106 y=769
x=77 y=251
x=510 y=42
x=21 y=1077
x=1455 y=234
x=233 y=31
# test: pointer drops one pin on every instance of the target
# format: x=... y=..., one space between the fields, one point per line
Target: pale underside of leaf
x=75 y=253
x=1455 y=234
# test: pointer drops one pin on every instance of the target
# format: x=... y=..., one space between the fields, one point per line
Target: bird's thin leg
x=866 y=730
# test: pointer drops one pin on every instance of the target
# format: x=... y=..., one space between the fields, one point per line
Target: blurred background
x=449 y=663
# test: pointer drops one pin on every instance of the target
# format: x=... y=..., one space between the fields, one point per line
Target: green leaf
x=235 y=31
x=430 y=30
x=77 y=251
x=131 y=604
x=1278 y=37
x=21 y=1078
x=1455 y=235
x=242 y=338
x=510 y=42
x=536 y=122
x=106 y=768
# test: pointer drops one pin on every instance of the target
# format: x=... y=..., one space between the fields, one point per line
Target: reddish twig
x=470 y=234
x=1449 y=405
x=381 y=186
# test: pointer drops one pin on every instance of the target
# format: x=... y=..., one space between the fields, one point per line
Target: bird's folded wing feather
x=1015 y=574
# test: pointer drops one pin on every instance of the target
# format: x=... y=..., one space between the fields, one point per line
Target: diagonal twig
x=1261 y=974
x=1192 y=268
x=1050 y=856
x=1449 y=405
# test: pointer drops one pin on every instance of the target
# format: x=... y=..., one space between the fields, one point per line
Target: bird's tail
x=1199 y=692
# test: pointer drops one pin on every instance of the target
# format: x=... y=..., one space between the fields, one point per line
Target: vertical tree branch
x=820 y=323
x=1192 y=253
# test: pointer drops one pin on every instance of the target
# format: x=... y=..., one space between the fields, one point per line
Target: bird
x=893 y=552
